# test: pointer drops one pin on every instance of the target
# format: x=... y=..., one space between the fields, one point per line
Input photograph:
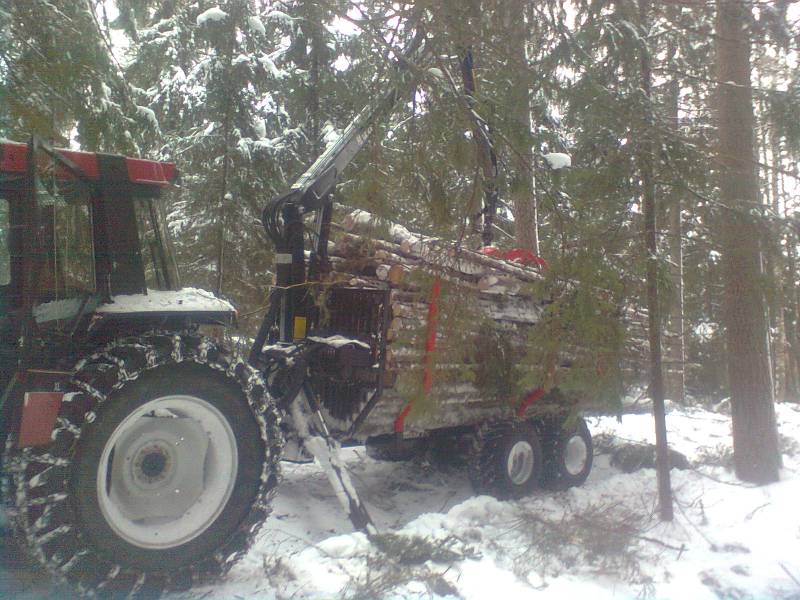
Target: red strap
x=532 y=397
x=430 y=348
x=522 y=256
x=525 y=257
x=492 y=251
x=400 y=421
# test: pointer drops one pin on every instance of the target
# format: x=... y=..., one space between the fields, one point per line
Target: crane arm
x=313 y=186
x=283 y=216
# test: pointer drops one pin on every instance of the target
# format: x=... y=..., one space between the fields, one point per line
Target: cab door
x=63 y=261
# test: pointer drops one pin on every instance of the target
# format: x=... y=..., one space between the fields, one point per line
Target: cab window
x=66 y=268
x=156 y=260
x=69 y=255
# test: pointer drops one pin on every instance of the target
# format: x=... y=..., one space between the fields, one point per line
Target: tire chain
x=35 y=481
x=482 y=467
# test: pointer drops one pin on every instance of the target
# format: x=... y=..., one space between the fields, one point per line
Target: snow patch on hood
x=57 y=310
x=186 y=299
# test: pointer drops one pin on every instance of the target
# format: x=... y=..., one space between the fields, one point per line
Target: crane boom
x=321 y=177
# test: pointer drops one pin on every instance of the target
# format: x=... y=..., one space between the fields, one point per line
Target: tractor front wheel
x=162 y=467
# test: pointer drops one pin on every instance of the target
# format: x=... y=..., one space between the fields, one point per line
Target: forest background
x=244 y=94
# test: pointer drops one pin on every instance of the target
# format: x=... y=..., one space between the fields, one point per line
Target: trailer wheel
x=163 y=463
x=506 y=460
x=568 y=455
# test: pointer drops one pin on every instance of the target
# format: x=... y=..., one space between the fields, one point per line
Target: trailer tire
x=506 y=459
x=94 y=520
x=568 y=455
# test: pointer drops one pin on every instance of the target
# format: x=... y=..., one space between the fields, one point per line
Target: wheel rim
x=520 y=462
x=167 y=471
x=575 y=455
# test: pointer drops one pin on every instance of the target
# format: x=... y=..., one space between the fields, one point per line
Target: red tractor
x=140 y=453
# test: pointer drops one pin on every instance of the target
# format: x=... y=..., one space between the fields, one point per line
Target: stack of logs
x=370 y=253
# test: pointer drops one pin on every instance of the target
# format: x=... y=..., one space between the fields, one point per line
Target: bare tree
x=522 y=192
x=676 y=353
x=755 y=436
x=647 y=173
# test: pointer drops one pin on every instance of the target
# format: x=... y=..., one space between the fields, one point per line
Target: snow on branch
x=215 y=13
x=558 y=160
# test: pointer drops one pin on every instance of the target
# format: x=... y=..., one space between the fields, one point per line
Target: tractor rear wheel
x=162 y=467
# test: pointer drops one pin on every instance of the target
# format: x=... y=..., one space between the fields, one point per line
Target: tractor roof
x=14 y=160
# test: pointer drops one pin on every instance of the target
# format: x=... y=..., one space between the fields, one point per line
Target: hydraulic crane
x=312 y=192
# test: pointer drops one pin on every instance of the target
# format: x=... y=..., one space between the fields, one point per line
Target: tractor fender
x=39 y=413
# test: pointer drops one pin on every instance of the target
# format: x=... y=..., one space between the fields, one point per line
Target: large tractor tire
x=506 y=459
x=162 y=467
x=568 y=454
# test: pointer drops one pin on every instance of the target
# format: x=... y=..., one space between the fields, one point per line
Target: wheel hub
x=152 y=466
x=167 y=471
x=157 y=469
x=575 y=455
x=520 y=462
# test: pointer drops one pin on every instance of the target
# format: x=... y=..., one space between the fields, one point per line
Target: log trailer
x=141 y=454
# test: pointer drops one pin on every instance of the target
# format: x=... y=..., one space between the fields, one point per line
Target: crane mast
x=312 y=192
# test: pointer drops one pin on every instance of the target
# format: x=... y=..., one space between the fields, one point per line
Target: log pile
x=369 y=253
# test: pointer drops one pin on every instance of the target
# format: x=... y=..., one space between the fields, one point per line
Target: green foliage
x=58 y=79
x=416 y=550
x=499 y=373
x=579 y=343
x=459 y=328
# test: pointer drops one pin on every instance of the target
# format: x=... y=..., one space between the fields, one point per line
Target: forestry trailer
x=141 y=454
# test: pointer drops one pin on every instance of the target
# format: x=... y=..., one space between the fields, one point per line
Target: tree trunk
x=755 y=436
x=767 y=143
x=675 y=381
x=777 y=260
x=534 y=217
x=313 y=110
x=790 y=318
x=487 y=159
x=517 y=104
x=226 y=158
x=645 y=158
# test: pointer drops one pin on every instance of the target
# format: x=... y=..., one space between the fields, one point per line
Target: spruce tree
x=212 y=78
x=59 y=80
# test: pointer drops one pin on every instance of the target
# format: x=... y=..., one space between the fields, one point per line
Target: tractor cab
x=85 y=254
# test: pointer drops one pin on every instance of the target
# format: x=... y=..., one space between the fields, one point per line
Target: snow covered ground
x=603 y=540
